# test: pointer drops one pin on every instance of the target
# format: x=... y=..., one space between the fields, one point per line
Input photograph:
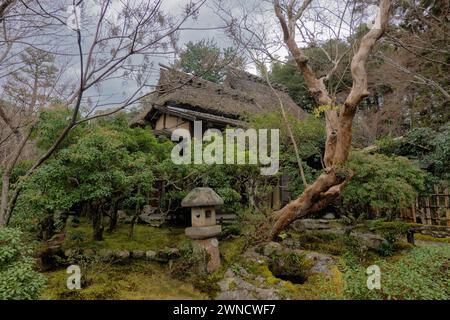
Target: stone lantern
x=203 y=203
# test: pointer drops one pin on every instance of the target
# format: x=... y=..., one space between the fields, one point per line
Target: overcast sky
x=208 y=25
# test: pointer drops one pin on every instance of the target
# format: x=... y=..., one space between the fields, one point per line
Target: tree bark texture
x=338 y=122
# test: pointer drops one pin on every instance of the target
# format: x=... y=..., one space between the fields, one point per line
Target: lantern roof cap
x=202 y=197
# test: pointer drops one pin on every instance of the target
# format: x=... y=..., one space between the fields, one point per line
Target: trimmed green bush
x=381 y=185
x=18 y=279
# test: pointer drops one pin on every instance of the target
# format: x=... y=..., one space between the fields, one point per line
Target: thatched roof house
x=181 y=98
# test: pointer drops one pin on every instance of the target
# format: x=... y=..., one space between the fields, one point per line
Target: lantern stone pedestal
x=208 y=249
x=204 y=230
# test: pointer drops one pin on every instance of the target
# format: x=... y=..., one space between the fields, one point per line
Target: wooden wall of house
x=169 y=122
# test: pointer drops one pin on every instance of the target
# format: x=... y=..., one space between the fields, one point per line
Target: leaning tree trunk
x=338 y=124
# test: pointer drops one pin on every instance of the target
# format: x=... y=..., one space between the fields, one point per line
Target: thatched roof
x=202 y=197
x=238 y=97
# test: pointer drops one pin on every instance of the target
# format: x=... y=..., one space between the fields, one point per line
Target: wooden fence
x=431 y=210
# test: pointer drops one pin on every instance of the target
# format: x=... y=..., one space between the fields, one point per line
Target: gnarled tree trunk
x=338 y=123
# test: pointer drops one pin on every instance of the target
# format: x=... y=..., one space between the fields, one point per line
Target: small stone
x=122 y=254
x=106 y=254
x=137 y=254
x=329 y=216
x=150 y=255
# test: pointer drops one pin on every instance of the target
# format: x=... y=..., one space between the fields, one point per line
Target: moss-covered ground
x=152 y=280
x=135 y=281
x=145 y=238
x=139 y=279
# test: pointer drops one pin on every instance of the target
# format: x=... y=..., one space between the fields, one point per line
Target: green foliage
x=317 y=112
x=392 y=231
x=390 y=228
x=19 y=170
x=238 y=185
x=320 y=241
x=208 y=61
x=187 y=265
x=421 y=274
x=310 y=137
x=18 y=280
x=381 y=185
x=289 y=76
x=51 y=124
x=107 y=161
x=429 y=147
